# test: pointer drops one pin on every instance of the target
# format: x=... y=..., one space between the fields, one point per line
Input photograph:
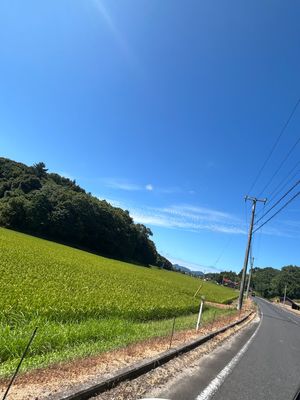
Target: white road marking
x=215 y=384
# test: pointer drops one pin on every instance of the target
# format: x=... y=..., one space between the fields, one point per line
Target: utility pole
x=242 y=284
x=284 y=294
x=249 y=278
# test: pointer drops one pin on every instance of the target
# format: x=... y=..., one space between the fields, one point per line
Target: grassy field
x=84 y=304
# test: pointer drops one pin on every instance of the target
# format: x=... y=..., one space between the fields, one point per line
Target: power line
x=277 y=202
x=278 y=191
x=275 y=144
x=277 y=212
x=222 y=252
x=282 y=185
x=280 y=166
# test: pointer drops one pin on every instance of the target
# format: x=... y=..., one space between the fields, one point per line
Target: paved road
x=262 y=363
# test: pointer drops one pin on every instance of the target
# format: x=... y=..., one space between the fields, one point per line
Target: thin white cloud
x=122 y=185
x=282 y=231
x=198 y=213
x=130 y=186
x=177 y=217
x=196 y=219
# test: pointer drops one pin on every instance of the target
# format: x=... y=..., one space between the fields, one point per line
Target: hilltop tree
x=40 y=170
x=47 y=204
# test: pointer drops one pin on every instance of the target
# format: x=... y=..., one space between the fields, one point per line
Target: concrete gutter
x=145 y=366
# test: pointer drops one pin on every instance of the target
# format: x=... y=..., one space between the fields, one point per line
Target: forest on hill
x=54 y=207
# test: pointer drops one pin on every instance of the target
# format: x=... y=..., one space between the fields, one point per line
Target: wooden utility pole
x=242 y=285
x=249 y=277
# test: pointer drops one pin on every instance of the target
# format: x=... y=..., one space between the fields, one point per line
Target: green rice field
x=84 y=304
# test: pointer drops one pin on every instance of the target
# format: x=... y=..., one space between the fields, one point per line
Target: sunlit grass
x=85 y=304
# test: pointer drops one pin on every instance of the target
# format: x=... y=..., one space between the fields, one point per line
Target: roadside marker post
x=200 y=313
x=172 y=333
x=212 y=326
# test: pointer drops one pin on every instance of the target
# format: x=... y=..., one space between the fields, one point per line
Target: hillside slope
x=49 y=205
x=82 y=302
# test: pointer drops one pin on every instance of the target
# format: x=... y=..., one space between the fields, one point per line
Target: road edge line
x=216 y=383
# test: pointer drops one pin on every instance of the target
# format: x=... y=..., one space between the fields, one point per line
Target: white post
x=199 y=315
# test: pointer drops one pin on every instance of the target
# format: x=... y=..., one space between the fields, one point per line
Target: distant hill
x=186 y=270
x=34 y=201
x=178 y=267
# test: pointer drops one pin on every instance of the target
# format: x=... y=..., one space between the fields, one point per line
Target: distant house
x=230 y=283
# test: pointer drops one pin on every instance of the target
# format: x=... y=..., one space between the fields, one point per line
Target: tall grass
x=83 y=303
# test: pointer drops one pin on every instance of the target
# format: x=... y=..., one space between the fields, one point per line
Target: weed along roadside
x=73 y=376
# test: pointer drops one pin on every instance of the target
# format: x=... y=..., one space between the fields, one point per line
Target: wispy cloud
x=122 y=185
x=198 y=213
x=125 y=185
x=190 y=218
x=281 y=229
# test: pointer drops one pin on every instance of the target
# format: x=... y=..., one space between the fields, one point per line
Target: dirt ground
x=50 y=383
x=157 y=378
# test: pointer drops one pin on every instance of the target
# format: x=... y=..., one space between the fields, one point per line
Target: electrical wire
x=277 y=202
x=280 y=166
x=222 y=252
x=275 y=144
x=286 y=183
x=282 y=184
x=277 y=212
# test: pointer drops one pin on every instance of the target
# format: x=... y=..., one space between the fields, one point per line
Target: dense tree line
x=49 y=205
x=268 y=282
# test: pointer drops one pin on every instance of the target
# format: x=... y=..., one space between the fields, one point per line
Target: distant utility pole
x=242 y=285
x=284 y=298
x=249 y=277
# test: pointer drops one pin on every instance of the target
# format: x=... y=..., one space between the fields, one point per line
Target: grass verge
x=56 y=343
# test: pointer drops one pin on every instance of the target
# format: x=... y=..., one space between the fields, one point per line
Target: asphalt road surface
x=261 y=363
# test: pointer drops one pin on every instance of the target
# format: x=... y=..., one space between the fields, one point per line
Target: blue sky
x=166 y=108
